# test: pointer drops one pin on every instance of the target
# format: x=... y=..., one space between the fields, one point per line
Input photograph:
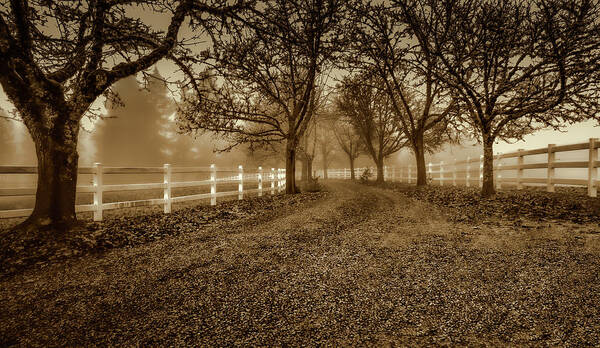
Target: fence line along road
x=470 y=171
x=276 y=178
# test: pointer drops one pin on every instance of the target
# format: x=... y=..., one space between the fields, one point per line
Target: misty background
x=141 y=130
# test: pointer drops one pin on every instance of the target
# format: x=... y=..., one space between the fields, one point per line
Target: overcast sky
x=576 y=133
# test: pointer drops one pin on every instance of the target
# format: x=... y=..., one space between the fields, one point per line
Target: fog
x=579 y=133
x=141 y=130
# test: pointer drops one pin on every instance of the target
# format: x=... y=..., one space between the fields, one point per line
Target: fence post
x=499 y=173
x=430 y=175
x=550 y=175
x=213 y=184
x=278 y=180
x=441 y=173
x=272 y=181
x=592 y=170
x=520 y=170
x=481 y=170
x=468 y=172
x=167 y=190
x=241 y=182
x=455 y=168
x=260 y=180
x=98 y=173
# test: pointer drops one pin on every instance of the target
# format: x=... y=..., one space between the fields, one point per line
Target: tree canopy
x=58 y=57
x=267 y=67
x=515 y=66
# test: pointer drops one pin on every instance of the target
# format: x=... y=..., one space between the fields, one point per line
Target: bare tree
x=370 y=112
x=268 y=69
x=58 y=57
x=348 y=140
x=516 y=66
x=269 y=155
x=310 y=139
x=325 y=143
x=308 y=149
x=384 y=45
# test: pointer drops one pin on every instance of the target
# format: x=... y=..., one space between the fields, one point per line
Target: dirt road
x=362 y=266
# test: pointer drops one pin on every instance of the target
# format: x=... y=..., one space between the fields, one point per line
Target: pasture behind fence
x=469 y=172
x=273 y=178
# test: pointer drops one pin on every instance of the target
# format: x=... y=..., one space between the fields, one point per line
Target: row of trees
x=494 y=70
x=420 y=72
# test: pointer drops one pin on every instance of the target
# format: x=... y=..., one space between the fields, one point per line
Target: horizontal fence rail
x=470 y=171
x=274 y=180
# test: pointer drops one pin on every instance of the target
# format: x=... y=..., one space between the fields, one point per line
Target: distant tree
x=384 y=45
x=308 y=149
x=325 y=136
x=58 y=57
x=268 y=70
x=16 y=148
x=268 y=155
x=145 y=112
x=348 y=140
x=370 y=111
x=7 y=143
x=326 y=145
x=516 y=66
x=309 y=145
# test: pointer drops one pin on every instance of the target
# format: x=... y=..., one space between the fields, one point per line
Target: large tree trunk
x=352 y=176
x=57 y=182
x=379 y=163
x=290 y=167
x=488 y=189
x=419 y=150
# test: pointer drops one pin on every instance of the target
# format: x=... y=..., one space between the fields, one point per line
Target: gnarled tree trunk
x=352 y=176
x=57 y=157
x=419 y=150
x=380 y=176
x=488 y=189
x=290 y=167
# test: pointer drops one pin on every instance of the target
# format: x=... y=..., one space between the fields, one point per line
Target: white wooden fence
x=470 y=171
x=274 y=177
x=389 y=173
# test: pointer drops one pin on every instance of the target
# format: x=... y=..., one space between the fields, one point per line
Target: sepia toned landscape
x=299 y=173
